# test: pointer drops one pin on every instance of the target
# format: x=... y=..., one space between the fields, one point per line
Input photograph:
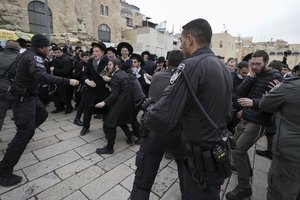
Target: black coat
x=255 y=88
x=120 y=101
x=100 y=92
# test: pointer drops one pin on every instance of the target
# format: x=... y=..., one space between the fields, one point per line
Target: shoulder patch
x=177 y=73
x=38 y=59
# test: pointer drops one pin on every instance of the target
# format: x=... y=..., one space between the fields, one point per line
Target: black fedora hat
x=113 y=49
x=101 y=45
x=125 y=45
x=145 y=53
x=138 y=57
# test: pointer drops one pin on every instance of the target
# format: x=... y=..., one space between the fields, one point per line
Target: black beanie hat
x=39 y=41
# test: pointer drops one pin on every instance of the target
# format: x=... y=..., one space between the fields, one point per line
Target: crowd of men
x=192 y=105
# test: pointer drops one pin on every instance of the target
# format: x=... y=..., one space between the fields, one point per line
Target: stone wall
x=73 y=20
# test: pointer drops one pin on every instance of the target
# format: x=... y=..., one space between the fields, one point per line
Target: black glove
x=148 y=101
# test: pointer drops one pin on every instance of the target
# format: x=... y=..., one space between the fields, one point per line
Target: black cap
x=39 y=41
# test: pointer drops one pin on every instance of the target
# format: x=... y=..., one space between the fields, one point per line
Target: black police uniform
x=212 y=84
x=154 y=145
x=28 y=111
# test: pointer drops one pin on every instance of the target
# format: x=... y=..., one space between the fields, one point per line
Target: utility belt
x=208 y=165
x=16 y=94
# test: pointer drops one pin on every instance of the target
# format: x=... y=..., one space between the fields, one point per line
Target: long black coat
x=120 y=101
x=100 y=92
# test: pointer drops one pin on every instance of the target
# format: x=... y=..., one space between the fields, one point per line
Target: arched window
x=279 y=53
x=106 y=10
x=295 y=53
x=36 y=16
x=104 y=33
x=101 y=9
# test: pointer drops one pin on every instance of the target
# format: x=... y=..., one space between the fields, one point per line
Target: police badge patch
x=39 y=59
x=177 y=73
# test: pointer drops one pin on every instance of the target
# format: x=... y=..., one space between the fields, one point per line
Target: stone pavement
x=60 y=164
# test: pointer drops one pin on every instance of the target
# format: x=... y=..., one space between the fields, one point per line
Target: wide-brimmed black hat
x=138 y=57
x=113 y=49
x=125 y=45
x=101 y=45
x=145 y=53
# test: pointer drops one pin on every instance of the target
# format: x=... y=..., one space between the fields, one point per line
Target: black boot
x=239 y=193
x=104 y=150
x=78 y=122
x=84 y=131
x=10 y=180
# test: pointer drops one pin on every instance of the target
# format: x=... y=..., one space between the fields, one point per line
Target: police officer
x=29 y=112
x=212 y=84
x=153 y=145
x=7 y=58
x=284 y=173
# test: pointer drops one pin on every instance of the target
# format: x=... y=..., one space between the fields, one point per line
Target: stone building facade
x=73 y=20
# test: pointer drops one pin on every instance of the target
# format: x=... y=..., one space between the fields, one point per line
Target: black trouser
x=110 y=135
x=148 y=159
x=3 y=110
x=92 y=97
x=59 y=97
x=192 y=190
x=82 y=103
x=28 y=115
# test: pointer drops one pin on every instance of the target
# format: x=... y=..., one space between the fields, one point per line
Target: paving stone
x=259 y=185
x=116 y=159
x=7 y=137
x=32 y=146
x=58 y=148
x=164 y=179
x=128 y=182
x=76 y=196
x=46 y=166
x=173 y=164
x=78 y=165
x=90 y=147
x=8 y=131
x=163 y=163
x=70 y=185
x=262 y=163
x=92 y=135
x=69 y=134
x=54 y=125
x=131 y=162
x=173 y=193
x=5 y=189
x=135 y=148
x=26 y=160
x=64 y=117
x=3 y=145
x=71 y=127
x=46 y=134
x=117 y=193
x=101 y=185
x=32 y=188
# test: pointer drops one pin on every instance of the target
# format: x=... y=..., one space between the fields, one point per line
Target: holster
x=144 y=132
